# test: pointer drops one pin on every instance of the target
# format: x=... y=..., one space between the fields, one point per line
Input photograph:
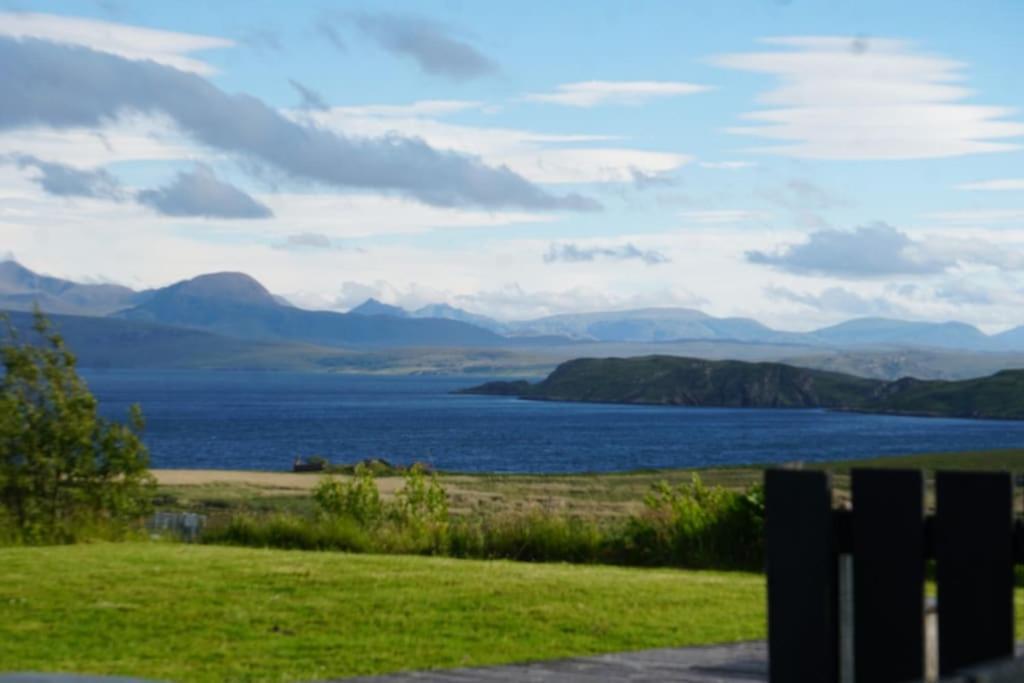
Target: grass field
x=203 y=613
x=588 y=495
x=196 y=613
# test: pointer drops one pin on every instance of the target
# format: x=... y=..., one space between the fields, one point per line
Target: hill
x=374 y=307
x=21 y=289
x=236 y=305
x=875 y=331
x=115 y=343
x=453 y=313
x=652 y=325
x=669 y=380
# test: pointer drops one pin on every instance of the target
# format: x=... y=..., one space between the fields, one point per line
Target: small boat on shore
x=301 y=465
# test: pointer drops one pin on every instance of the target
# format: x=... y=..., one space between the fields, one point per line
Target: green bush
x=695 y=525
x=65 y=472
x=415 y=521
x=421 y=505
x=356 y=498
x=688 y=526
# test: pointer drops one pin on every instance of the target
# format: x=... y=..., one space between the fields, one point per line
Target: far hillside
x=668 y=380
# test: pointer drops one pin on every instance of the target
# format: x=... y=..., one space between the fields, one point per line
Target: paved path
x=739 y=663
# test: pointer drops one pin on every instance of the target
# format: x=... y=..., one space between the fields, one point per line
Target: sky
x=801 y=163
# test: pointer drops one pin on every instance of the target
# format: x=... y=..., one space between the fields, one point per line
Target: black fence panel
x=888 y=575
x=972 y=537
x=803 y=626
x=974 y=567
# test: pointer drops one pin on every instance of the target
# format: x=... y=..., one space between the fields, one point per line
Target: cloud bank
x=594 y=93
x=200 y=193
x=870 y=251
x=310 y=99
x=1001 y=185
x=843 y=98
x=840 y=300
x=573 y=253
x=63 y=86
x=62 y=180
x=133 y=42
x=432 y=46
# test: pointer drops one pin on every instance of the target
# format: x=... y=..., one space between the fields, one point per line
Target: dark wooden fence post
x=803 y=624
x=972 y=537
x=974 y=565
x=888 y=575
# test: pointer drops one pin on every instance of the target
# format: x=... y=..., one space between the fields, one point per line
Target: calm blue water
x=263 y=420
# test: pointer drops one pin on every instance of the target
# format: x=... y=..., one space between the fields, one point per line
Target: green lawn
x=199 y=613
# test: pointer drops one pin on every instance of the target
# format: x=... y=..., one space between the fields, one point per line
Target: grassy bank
x=194 y=613
x=586 y=495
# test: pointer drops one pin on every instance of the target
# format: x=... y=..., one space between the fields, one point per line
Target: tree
x=63 y=468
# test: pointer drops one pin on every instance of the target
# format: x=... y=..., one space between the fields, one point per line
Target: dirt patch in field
x=268 y=483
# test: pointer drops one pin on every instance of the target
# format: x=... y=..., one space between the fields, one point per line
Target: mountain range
x=236 y=305
x=659 y=325
x=233 y=307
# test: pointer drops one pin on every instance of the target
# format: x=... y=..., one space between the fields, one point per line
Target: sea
x=264 y=420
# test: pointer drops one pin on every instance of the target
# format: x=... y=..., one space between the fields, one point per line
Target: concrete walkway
x=738 y=663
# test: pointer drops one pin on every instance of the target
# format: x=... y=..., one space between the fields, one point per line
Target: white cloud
x=133 y=42
x=840 y=300
x=426 y=108
x=980 y=217
x=1003 y=185
x=880 y=251
x=723 y=216
x=594 y=93
x=369 y=215
x=593 y=165
x=842 y=98
x=727 y=165
x=23 y=205
x=570 y=252
x=540 y=157
x=877 y=250
x=132 y=137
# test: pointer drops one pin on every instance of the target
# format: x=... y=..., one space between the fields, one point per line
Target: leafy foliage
x=421 y=500
x=357 y=497
x=415 y=520
x=692 y=525
x=64 y=470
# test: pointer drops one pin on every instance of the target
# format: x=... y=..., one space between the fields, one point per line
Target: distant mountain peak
x=21 y=289
x=236 y=287
x=374 y=307
x=449 y=312
x=16 y=277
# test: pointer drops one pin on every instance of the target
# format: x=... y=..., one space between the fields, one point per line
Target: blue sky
x=797 y=162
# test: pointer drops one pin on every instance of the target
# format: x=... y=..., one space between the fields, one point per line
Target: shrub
x=416 y=521
x=291 y=532
x=696 y=526
x=63 y=469
x=356 y=498
x=689 y=526
x=421 y=501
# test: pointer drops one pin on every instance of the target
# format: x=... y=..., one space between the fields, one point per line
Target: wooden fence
x=972 y=538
